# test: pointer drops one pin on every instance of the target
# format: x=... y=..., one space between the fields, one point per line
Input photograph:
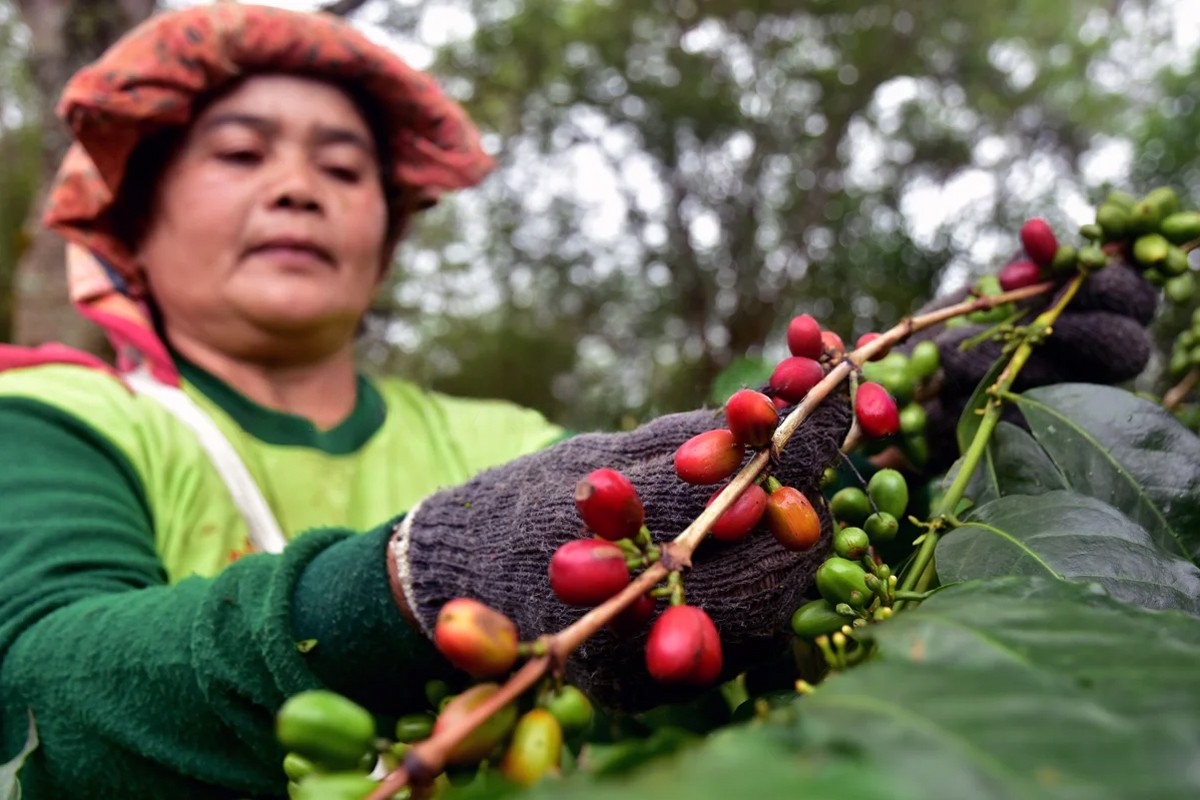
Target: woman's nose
x=296 y=186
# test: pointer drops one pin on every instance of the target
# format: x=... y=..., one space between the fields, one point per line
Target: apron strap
x=265 y=534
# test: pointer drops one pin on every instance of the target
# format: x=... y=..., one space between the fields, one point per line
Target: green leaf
x=1128 y=452
x=1016 y=689
x=968 y=422
x=1015 y=464
x=740 y=374
x=10 y=789
x=1071 y=537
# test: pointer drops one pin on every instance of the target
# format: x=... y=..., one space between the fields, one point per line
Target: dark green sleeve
x=144 y=689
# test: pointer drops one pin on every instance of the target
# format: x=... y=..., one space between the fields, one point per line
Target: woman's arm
x=139 y=687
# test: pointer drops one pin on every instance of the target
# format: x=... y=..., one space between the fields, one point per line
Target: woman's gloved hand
x=1101 y=337
x=492 y=539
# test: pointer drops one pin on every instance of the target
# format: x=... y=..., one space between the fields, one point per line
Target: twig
x=1176 y=393
x=426 y=759
x=920 y=572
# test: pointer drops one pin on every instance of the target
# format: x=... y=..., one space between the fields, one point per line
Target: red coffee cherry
x=751 y=417
x=876 y=410
x=634 y=617
x=708 y=457
x=1019 y=274
x=866 y=339
x=792 y=519
x=741 y=517
x=804 y=337
x=586 y=572
x=609 y=505
x=794 y=377
x=684 y=647
x=1037 y=237
x=477 y=639
x=832 y=343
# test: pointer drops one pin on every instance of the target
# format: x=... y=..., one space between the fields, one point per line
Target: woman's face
x=266 y=234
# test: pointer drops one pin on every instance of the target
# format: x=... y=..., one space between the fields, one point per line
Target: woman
x=241 y=178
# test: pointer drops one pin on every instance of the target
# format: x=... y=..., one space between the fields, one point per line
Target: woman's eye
x=240 y=156
x=344 y=174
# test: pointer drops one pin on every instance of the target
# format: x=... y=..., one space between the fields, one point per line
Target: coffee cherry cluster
x=683 y=645
x=907 y=378
x=1155 y=234
x=334 y=750
x=1185 y=351
x=856 y=587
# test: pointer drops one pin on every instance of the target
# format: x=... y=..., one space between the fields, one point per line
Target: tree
x=678 y=179
x=63 y=36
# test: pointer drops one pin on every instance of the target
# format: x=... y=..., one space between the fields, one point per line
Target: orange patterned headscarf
x=154 y=77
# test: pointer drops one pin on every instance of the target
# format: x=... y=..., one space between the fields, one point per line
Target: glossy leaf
x=968 y=421
x=1008 y=690
x=1015 y=464
x=1071 y=537
x=1128 y=452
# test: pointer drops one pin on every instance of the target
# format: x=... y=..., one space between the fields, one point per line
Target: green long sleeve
x=142 y=688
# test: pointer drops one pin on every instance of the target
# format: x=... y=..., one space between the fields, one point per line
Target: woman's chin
x=302 y=317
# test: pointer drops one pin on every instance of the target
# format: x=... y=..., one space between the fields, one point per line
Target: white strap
x=265 y=533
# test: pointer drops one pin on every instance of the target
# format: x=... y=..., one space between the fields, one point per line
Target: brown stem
x=1176 y=393
x=428 y=758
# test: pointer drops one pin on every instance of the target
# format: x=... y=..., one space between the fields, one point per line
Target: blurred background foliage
x=677 y=178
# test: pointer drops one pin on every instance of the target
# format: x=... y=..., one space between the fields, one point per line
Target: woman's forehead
x=272 y=102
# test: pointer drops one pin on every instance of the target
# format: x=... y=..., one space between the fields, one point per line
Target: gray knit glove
x=1100 y=337
x=492 y=539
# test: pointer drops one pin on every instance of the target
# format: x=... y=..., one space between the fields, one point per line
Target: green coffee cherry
x=925 y=360
x=414 y=727
x=335 y=786
x=297 y=767
x=1154 y=277
x=570 y=707
x=1181 y=227
x=1143 y=217
x=1121 y=199
x=828 y=477
x=850 y=505
x=1113 y=220
x=1092 y=258
x=851 y=543
x=1176 y=262
x=1164 y=199
x=1151 y=250
x=1091 y=231
x=326 y=728
x=912 y=419
x=989 y=285
x=889 y=491
x=1065 y=260
x=916 y=447
x=881 y=527
x=816 y=618
x=1180 y=363
x=840 y=580
x=1181 y=289
x=990 y=316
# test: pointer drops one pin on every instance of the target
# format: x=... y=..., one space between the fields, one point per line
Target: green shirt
x=152 y=656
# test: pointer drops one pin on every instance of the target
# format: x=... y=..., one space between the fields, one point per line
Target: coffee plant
x=1025 y=627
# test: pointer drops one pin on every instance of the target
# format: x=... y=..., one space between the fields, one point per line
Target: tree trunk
x=64 y=36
